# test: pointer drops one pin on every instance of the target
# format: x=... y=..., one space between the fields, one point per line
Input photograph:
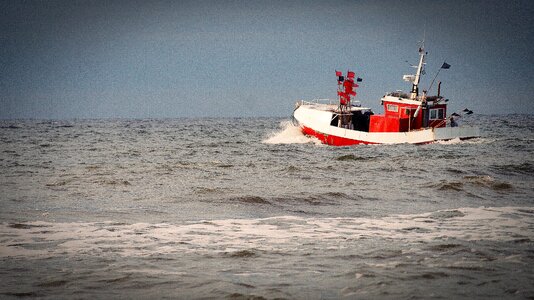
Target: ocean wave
x=488 y=182
x=526 y=168
x=352 y=157
x=240 y=254
x=448 y=185
x=210 y=190
x=250 y=200
x=468 y=182
x=247 y=237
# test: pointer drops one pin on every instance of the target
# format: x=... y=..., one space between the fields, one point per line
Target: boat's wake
x=450 y=142
x=460 y=141
x=289 y=134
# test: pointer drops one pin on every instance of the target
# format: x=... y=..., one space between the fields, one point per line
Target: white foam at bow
x=289 y=134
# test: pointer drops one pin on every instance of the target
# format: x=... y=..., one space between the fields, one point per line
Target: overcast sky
x=153 y=59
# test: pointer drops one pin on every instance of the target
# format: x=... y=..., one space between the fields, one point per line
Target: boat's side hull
x=316 y=122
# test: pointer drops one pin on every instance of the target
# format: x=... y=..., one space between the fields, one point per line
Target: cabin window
x=436 y=114
x=392 y=107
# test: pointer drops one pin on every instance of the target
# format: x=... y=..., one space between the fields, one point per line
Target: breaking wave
x=245 y=237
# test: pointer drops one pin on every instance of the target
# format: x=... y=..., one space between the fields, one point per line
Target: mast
x=345 y=90
x=416 y=80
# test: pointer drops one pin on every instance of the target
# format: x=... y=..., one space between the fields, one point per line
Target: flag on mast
x=445 y=65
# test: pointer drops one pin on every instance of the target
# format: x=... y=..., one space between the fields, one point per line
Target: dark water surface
x=246 y=208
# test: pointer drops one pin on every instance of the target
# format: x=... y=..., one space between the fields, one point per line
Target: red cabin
x=402 y=115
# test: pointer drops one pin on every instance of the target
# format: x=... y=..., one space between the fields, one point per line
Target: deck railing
x=319 y=101
x=325 y=101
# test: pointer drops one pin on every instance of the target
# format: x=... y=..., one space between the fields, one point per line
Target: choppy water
x=246 y=209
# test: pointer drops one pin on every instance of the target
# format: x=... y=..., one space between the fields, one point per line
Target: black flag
x=445 y=65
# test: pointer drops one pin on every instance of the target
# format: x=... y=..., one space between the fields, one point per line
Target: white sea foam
x=456 y=141
x=450 y=142
x=285 y=233
x=289 y=134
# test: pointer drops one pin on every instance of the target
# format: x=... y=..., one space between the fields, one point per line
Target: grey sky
x=91 y=59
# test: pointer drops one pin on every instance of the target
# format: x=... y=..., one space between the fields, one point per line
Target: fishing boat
x=414 y=117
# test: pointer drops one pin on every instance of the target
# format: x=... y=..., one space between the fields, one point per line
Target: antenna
x=420 y=71
x=424 y=36
x=422 y=42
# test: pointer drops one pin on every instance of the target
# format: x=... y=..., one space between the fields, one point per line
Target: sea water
x=251 y=209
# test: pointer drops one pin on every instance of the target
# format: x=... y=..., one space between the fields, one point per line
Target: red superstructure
x=401 y=115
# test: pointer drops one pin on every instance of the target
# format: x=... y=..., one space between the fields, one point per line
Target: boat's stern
x=462 y=132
